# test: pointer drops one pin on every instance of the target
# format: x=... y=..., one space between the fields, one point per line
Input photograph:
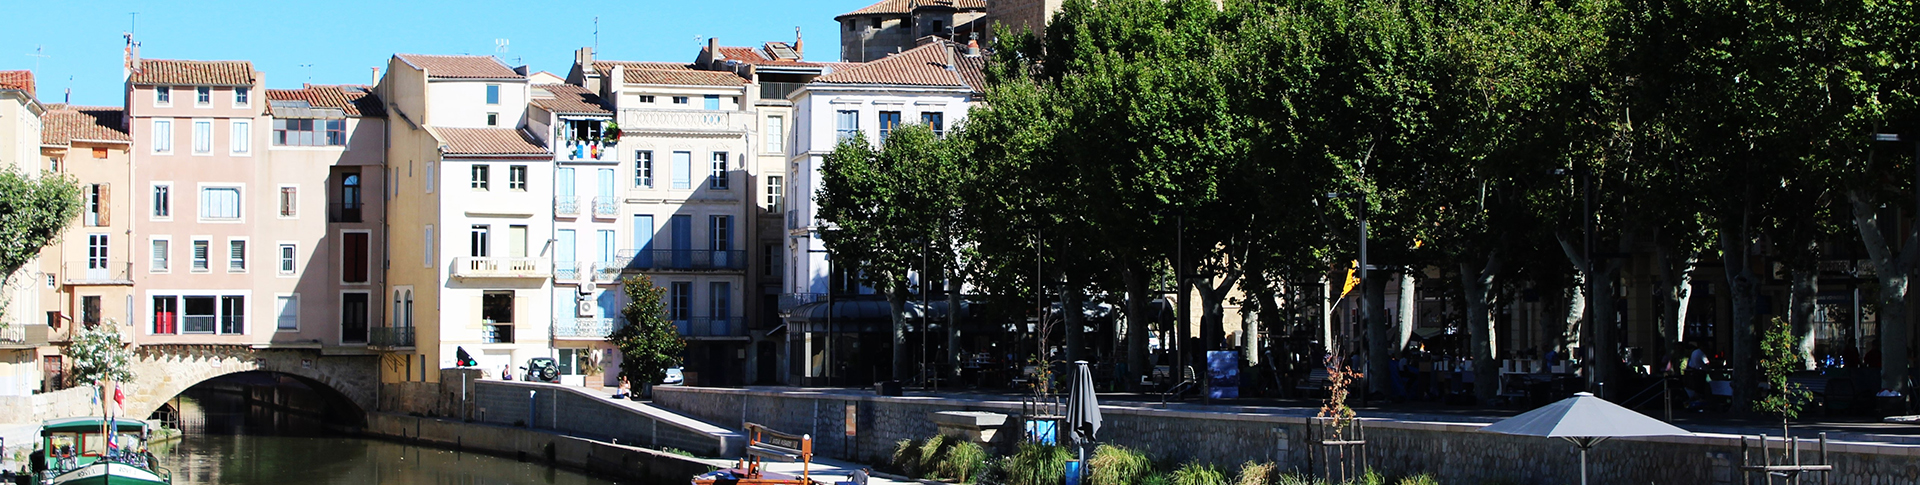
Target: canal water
x=231 y=442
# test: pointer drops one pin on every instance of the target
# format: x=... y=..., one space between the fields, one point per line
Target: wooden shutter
x=354 y=257
x=106 y=203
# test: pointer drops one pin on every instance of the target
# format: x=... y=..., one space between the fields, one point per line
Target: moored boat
x=96 y=451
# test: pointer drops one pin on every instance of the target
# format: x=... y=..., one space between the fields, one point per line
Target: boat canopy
x=90 y=423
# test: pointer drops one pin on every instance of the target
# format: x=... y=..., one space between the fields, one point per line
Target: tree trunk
x=902 y=358
x=1806 y=287
x=1407 y=319
x=1476 y=278
x=1073 y=314
x=1599 y=351
x=1576 y=318
x=1743 y=288
x=1676 y=295
x=1891 y=270
x=1138 y=295
x=1326 y=316
x=1379 y=336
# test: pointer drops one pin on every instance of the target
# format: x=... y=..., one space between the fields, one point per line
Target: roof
x=685 y=78
x=63 y=124
x=490 y=141
x=905 y=7
x=460 y=67
x=605 y=68
x=91 y=423
x=356 y=101
x=21 y=80
x=567 y=98
x=760 y=57
x=933 y=64
x=194 y=73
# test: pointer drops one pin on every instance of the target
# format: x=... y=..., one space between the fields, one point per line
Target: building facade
x=894 y=26
x=20 y=305
x=93 y=259
x=587 y=269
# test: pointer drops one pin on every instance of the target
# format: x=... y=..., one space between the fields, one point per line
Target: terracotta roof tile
x=605 y=68
x=904 y=7
x=356 y=101
x=460 y=67
x=567 y=98
x=490 y=141
x=194 y=73
x=684 y=78
x=21 y=80
x=753 y=56
x=64 y=124
x=928 y=65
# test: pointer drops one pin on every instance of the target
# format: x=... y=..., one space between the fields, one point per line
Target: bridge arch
x=164 y=371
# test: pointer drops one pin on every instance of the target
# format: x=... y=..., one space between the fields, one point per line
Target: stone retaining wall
x=65 y=403
x=1454 y=452
x=627 y=462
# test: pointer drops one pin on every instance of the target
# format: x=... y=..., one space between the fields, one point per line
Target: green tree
x=99 y=354
x=649 y=343
x=33 y=211
x=1779 y=359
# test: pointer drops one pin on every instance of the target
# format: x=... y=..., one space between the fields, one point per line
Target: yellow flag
x=1353 y=279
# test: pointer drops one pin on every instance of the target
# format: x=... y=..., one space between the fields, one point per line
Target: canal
x=232 y=440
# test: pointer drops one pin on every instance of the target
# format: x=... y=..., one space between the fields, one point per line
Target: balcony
x=709 y=327
x=491 y=333
x=583 y=327
x=683 y=260
x=684 y=121
x=339 y=212
x=96 y=272
x=607 y=272
x=586 y=151
x=566 y=206
x=501 y=268
x=606 y=207
x=566 y=271
x=789 y=301
x=390 y=337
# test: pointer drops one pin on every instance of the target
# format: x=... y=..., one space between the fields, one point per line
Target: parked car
x=673 y=378
x=541 y=369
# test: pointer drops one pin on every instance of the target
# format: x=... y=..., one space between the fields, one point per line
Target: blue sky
x=342 y=39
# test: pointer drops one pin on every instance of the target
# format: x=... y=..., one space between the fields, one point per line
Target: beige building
x=20 y=132
x=92 y=261
x=894 y=26
x=1018 y=15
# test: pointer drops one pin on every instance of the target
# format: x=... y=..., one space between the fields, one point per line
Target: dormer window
x=203 y=96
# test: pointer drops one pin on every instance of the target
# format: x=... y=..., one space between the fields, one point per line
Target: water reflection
x=231 y=441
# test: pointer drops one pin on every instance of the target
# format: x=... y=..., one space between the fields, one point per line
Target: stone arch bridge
x=164 y=371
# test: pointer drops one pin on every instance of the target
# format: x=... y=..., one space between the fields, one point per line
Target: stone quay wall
x=1401 y=445
x=463 y=395
x=627 y=462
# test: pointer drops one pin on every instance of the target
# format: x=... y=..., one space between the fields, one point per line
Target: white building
x=586 y=220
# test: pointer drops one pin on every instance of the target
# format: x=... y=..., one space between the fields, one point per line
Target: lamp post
x=831 y=331
x=926 y=317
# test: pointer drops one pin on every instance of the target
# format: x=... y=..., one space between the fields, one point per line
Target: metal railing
x=97 y=272
x=711 y=327
x=606 y=271
x=682 y=259
x=583 y=327
x=566 y=206
x=345 y=212
x=586 y=151
x=606 y=207
x=789 y=301
x=566 y=271
x=488 y=267
x=393 y=337
x=632 y=119
x=778 y=90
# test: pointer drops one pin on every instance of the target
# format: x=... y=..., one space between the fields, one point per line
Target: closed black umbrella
x=1083 y=408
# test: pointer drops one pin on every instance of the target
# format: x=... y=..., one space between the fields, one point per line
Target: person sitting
x=625 y=390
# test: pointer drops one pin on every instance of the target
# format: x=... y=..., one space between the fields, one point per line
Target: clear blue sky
x=342 y=39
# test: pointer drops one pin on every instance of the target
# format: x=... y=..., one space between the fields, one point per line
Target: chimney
x=375 y=80
x=799 y=48
x=973 y=45
x=583 y=58
x=713 y=50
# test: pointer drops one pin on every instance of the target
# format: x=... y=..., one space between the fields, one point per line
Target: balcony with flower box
x=587 y=140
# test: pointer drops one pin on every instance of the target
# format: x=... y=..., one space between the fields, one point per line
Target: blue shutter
x=713 y=102
x=564 y=186
x=681 y=227
x=643 y=241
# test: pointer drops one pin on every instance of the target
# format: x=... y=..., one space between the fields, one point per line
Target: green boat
x=74 y=451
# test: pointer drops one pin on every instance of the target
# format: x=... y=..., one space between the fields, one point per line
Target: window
x=162 y=201
x=720 y=300
x=850 y=25
x=241 y=96
x=309 y=133
x=713 y=102
x=935 y=121
x=287 y=255
x=355 y=248
x=775 y=184
x=98 y=153
x=680 y=297
x=203 y=137
x=354 y=306
x=350 y=192
x=607 y=243
x=289 y=201
x=493 y=119
x=720 y=229
x=718 y=181
x=220 y=203
x=776 y=134
x=493 y=94
x=643 y=169
x=496 y=312
x=162 y=136
x=935 y=29
x=680 y=100
x=166 y=315
x=96 y=251
x=480 y=177
x=426 y=258
x=236 y=256
x=201 y=315
x=90 y=310
x=478 y=240
x=162 y=95
x=161 y=252
x=889 y=120
x=53 y=164
x=233 y=314
x=770 y=256
x=200 y=255
x=429 y=177
x=646 y=98
x=97 y=200
x=242 y=141
x=847 y=124
x=682 y=170
x=202 y=96
x=517 y=177
x=287 y=309
x=876 y=24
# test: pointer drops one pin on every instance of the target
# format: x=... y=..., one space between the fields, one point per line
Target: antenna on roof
x=596 y=33
x=309 y=71
x=133 y=20
x=500 y=46
x=37 y=55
